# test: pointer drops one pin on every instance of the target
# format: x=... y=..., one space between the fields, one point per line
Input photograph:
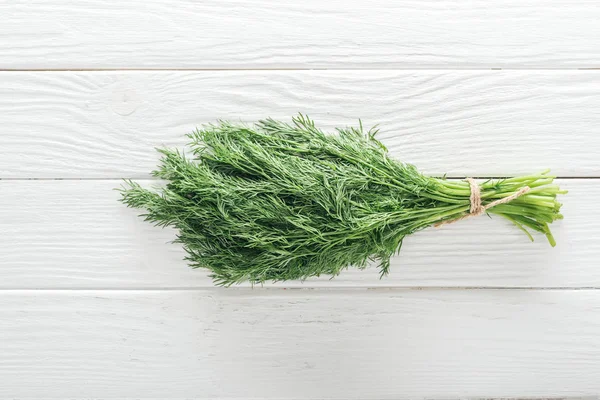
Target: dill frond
x=278 y=201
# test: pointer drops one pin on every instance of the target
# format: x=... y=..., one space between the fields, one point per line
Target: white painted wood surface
x=463 y=123
x=94 y=303
x=214 y=34
x=74 y=234
x=261 y=343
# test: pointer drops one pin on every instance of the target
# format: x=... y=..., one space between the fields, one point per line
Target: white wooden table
x=95 y=304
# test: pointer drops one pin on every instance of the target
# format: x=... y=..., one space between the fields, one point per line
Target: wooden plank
x=74 y=234
x=274 y=344
x=464 y=123
x=310 y=34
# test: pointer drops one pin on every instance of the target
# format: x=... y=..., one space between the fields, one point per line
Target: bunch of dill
x=278 y=201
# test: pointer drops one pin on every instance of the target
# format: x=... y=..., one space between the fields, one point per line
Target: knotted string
x=477 y=208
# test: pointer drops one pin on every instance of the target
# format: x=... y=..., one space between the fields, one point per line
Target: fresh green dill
x=278 y=201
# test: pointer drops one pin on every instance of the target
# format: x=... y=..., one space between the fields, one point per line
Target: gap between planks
x=338 y=288
x=151 y=178
x=408 y=68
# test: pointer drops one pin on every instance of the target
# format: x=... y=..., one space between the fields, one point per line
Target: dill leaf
x=280 y=201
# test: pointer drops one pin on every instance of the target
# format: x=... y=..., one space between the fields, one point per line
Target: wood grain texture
x=278 y=344
x=464 y=123
x=309 y=34
x=74 y=234
x=95 y=303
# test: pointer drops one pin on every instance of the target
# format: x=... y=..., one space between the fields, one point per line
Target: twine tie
x=477 y=208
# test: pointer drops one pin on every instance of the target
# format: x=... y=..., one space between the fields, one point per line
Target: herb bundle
x=278 y=201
